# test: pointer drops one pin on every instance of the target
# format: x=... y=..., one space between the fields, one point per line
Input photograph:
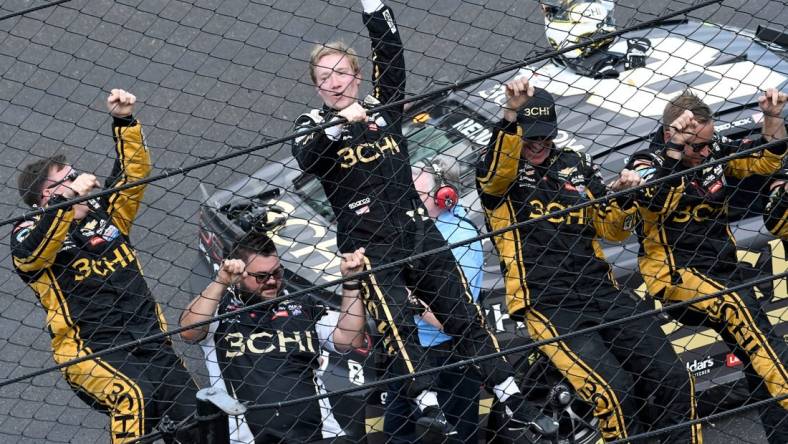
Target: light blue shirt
x=470 y=257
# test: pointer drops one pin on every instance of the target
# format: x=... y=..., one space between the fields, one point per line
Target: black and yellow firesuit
x=776 y=215
x=687 y=250
x=88 y=278
x=366 y=176
x=558 y=281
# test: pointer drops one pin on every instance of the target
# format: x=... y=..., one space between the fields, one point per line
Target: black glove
x=636 y=53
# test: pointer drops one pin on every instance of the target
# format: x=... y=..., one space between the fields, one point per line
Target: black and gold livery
x=687 y=250
x=558 y=281
x=87 y=277
x=684 y=219
x=271 y=355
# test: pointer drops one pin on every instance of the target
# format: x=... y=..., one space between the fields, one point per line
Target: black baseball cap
x=537 y=117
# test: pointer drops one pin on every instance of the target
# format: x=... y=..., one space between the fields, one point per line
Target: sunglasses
x=71 y=176
x=698 y=147
x=263 y=277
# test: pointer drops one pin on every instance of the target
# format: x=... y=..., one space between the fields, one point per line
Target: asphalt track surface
x=213 y=76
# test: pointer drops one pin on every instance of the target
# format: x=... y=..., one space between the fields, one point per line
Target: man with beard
x=557 y=278
x=363 y=166
x=272 y=353
x=80 y=263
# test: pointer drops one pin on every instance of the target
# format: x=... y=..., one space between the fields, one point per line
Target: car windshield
x=427 y=141
x=440 y=133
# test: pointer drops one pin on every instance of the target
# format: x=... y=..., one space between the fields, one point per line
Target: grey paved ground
x=211 y=76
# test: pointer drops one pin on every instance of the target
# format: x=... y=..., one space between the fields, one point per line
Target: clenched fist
x=231 y=272
x=352 y=263
x=120 y=103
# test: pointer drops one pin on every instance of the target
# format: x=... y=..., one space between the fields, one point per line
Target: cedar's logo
x=120 y=257
x=701 y=367
x=274 y=341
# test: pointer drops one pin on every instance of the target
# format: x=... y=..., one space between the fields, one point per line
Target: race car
x=609 y=117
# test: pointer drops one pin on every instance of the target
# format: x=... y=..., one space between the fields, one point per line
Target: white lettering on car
x=302 y=238
x=475 y=131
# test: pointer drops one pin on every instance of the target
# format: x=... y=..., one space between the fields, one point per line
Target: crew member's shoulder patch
x=390 y=21
x=308 y=120
x=312 y=117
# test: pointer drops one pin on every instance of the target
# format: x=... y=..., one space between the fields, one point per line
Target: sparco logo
x=700 y=368
x=354 y=205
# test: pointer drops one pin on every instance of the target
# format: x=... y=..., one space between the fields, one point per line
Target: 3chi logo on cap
x=537 y=117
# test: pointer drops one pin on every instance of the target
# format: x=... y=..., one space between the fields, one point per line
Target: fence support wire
x=33 y=9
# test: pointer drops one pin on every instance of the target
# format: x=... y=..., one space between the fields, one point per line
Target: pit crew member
x=687 y=248
x=557 y=279
x=272 y=353
x=81 y=265
x=364 y=168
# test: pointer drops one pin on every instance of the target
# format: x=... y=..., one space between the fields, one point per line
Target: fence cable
x=32 y=9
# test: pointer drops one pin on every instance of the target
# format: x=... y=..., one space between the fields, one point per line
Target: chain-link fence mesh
x=647 y=304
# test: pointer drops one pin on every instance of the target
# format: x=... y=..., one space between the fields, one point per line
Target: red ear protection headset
x=446 y=196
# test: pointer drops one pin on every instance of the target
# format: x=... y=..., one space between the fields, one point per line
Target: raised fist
x=352 y=263
x=120 y=103
x=683 y=128
x=231 y=272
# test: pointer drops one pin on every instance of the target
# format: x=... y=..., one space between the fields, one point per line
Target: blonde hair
x=331 y=48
